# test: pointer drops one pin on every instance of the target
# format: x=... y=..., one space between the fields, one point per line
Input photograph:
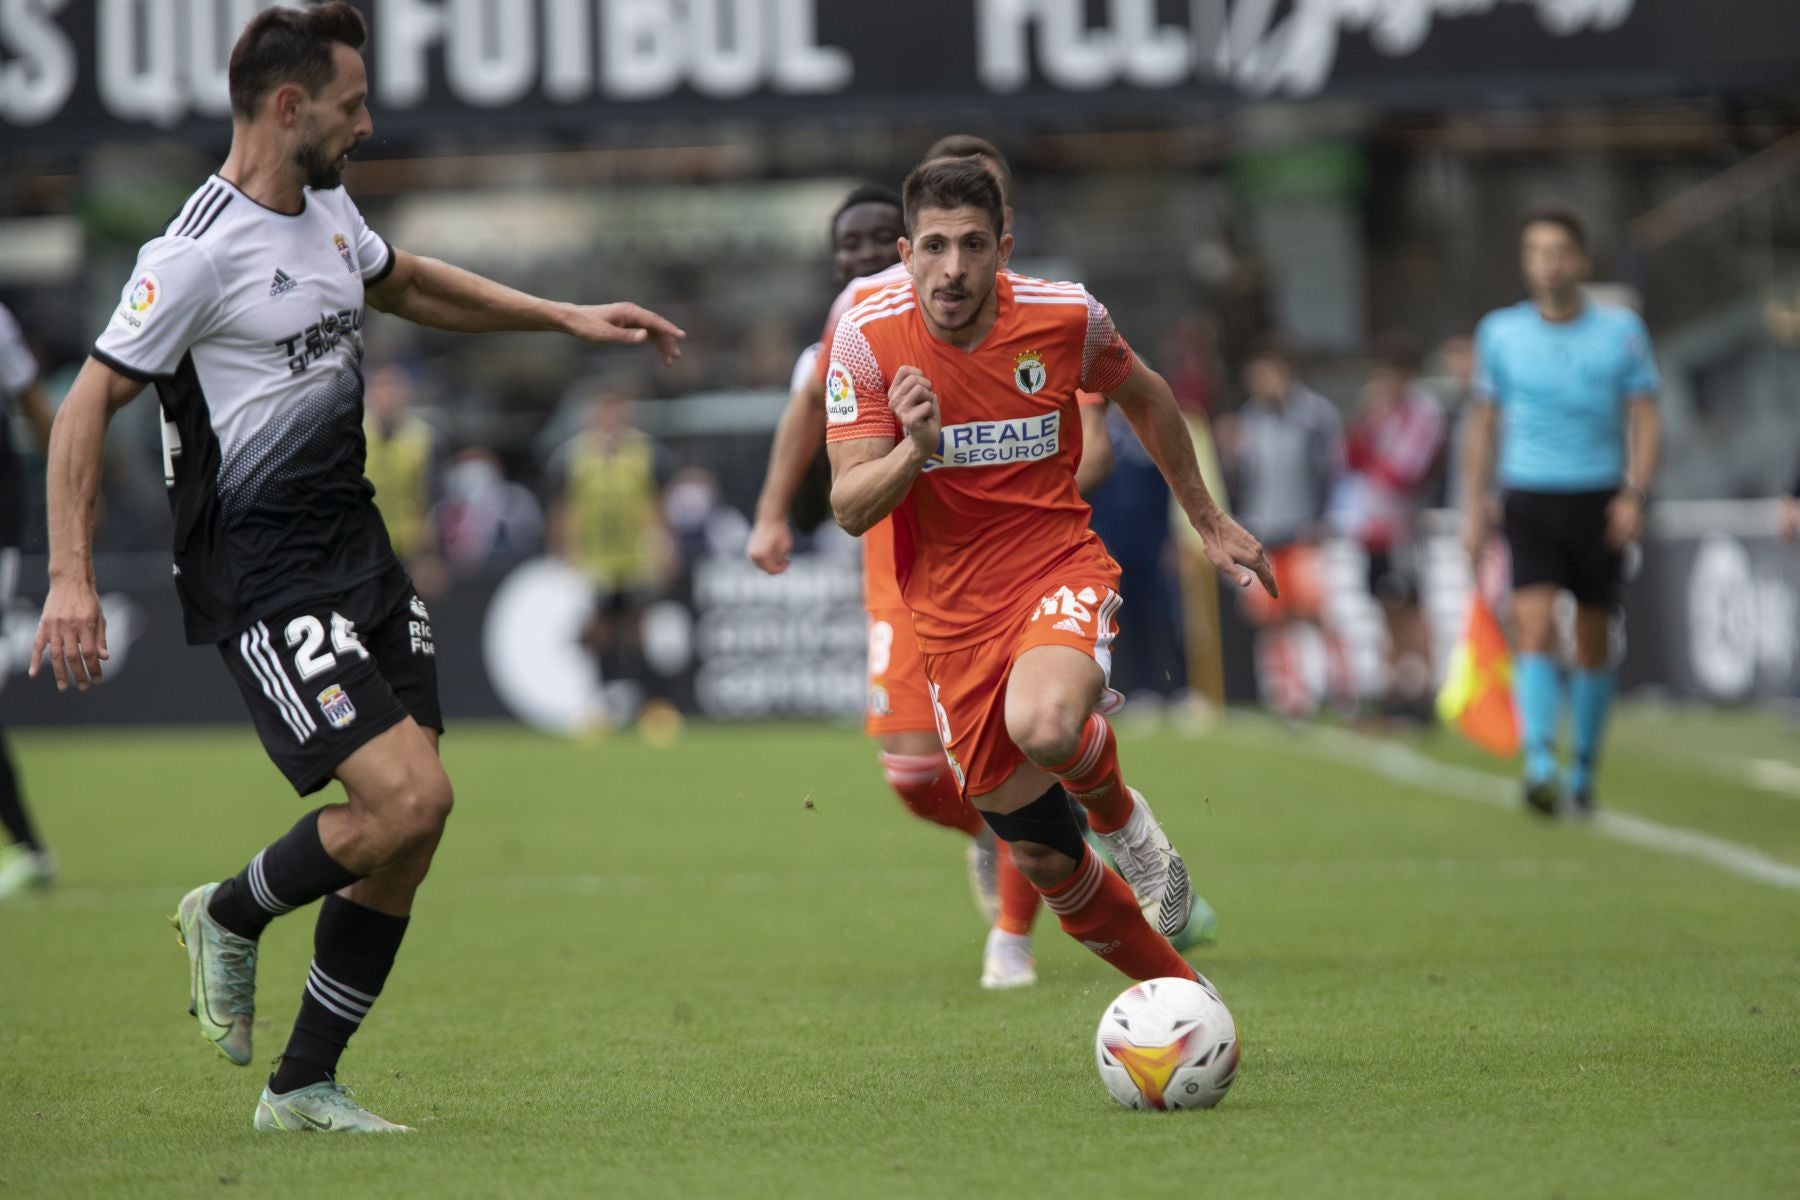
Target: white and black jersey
x=18 y=371
x=249 y=323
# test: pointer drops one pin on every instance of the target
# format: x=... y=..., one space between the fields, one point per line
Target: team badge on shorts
x=337 y=707
x=1029 y=373
x=879 y=705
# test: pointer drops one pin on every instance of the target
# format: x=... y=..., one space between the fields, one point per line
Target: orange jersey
x=996 y=511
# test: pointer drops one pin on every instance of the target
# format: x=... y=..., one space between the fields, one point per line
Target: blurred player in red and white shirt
x=1394 y=446
x=951 y=402
x=865 y=233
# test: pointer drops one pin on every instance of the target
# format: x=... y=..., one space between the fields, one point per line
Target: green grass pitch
x=657 y=973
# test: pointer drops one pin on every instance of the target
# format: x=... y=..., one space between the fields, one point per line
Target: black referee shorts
x=325 y=677
x=1559 y=538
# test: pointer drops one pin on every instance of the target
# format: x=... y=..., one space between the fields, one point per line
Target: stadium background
x=1216 y=171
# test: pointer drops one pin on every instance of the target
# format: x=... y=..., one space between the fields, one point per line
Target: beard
x=320 y=166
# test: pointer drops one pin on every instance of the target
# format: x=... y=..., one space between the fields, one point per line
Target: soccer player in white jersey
x=246 y=313
x=25 y=863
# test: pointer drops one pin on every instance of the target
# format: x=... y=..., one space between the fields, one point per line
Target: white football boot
x=1007 y=961
x=1156 y=873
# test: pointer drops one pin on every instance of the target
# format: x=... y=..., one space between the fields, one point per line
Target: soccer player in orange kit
x=951 y=404
x=900 y=716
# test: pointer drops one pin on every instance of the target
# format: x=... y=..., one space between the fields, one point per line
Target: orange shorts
x=968 y=686
x=899 y=701
x=1299 y=573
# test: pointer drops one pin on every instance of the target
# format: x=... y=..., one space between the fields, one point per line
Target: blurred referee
x=1565 y=389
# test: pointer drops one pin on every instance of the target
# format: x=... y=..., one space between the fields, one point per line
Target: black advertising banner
x=75 y=71
x=1713 y=616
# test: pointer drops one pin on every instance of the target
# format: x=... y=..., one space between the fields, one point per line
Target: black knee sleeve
x=1049 y=821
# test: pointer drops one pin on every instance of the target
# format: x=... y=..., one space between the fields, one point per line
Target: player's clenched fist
x=915 y=406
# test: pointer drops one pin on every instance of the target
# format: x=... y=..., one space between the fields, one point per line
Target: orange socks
x=1018 y=899
x=928 y=789
x=1097 y=909
x=1092 y=777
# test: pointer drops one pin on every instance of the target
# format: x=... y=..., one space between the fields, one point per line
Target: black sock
x=12 y=805
x=353 y=951
x=290 y=872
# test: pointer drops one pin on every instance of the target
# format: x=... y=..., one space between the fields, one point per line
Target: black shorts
x=1394 y=574
x=324 y=677
x=1560 y=538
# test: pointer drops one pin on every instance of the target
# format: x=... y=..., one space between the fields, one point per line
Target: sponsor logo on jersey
x=307 y=346
x=141 y=296
x=1029 y=373
x=998 y=443
x=337 y=707
x=343 y=249
x=418 y=609
x=283 y=283
x=840 y=395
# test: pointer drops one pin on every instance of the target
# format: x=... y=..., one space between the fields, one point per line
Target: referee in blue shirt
x=1566 y=392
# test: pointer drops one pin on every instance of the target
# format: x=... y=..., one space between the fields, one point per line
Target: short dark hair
x=287 y=45
x=1560 y=216
x=967 y=145
x=1399 y=350
x=953 y=183
x=866 y=193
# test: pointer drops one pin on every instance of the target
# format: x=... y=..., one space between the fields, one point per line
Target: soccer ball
x=1167 y=1043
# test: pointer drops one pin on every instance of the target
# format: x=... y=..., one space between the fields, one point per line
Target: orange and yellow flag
x=1476 y=699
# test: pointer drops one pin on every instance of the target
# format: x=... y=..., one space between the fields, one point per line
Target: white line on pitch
x=1405 y=765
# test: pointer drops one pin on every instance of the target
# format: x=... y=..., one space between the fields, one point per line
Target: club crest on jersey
x=343 y=249
x=336 y=706
x=1029 y=373
x=840 y=395
x=998 y=443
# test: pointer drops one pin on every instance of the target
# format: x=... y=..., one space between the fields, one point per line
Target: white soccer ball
x=1167 y=1043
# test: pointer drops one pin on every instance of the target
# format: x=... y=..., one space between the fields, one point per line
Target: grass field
x=647 y=973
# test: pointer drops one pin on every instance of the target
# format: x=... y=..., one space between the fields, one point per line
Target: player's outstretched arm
x=871 y=476
x=1149 y=405
x=798 y=436
x=426 y=291
x=73 y=629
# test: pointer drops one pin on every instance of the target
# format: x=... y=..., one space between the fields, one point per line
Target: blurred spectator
x=1286 y=448
x=484 y=519
x=1395 y=442
x=609 y=523
x=1454 y=384
x=401 y=461
x=698 y=518
x=1191 y=364
x=1131 y=515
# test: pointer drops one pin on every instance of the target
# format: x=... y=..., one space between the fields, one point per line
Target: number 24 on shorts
x=308 y=633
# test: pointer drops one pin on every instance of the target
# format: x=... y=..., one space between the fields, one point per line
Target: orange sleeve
x=856 y=403
x=1105 y=357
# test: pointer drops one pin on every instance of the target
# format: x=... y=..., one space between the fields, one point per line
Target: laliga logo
x=1029 y=373
x=143 y=294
